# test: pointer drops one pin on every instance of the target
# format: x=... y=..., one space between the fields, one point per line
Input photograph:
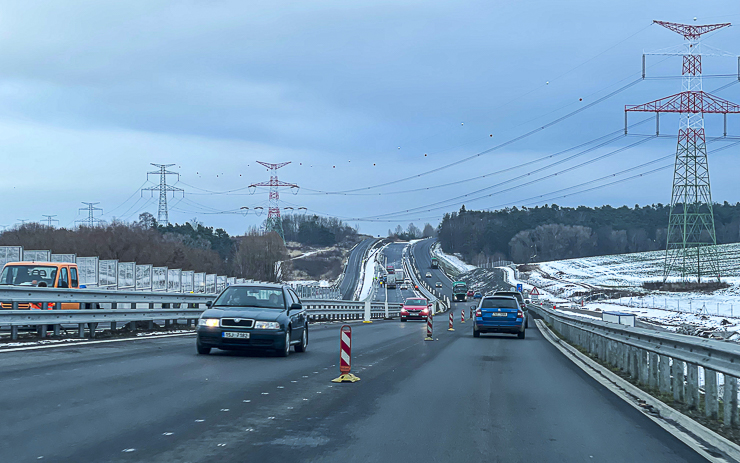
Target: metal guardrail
x=670 y=363
x=123 y=309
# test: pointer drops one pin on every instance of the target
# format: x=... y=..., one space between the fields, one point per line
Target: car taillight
x=519 y=314
x=478 y=313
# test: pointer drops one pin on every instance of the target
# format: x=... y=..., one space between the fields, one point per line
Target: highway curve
x=456 y=399
x=352 y=271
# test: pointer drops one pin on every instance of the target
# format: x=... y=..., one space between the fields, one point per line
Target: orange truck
x=41 y=275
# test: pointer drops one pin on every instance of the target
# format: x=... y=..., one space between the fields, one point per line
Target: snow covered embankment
x=451 y=264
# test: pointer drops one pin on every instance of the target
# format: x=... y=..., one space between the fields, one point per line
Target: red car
x=415 y=308
x=471 y=293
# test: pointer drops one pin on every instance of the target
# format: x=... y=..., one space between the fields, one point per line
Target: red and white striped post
x=462 y=316
x=429 y=328
x=451 y=317
x=345 y=356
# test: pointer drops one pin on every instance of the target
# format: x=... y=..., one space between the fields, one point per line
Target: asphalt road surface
x=456 y=399
x=353 y=269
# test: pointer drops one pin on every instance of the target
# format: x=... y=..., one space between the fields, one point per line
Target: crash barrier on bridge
x=345 y=356
x=125 y=307
x=681 y=366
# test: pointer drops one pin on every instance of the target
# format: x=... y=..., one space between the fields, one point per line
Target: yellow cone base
x=450 y=329
x=429 y=339
x=346 y=378
x=367 y=321
x=462 y=321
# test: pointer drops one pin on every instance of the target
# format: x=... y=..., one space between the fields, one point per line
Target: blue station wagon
x=499 y=314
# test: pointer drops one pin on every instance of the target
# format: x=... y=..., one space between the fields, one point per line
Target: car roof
x=48 y=264
x=265 y=285
x=499 y=297
x=508 y=293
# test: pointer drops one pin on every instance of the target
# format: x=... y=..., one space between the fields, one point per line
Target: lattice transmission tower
x=50 y=220
x=274 y=220
x=163 y=215
x=91 y=220
x=691 y=240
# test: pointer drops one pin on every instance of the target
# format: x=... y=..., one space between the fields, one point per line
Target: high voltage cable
x=441 y=204
x=497 y=147
x=524 y=201
x=524 y=164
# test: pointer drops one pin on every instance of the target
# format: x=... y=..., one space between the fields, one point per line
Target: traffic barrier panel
x=451 y=317
x=345 y=356
x=429 y=328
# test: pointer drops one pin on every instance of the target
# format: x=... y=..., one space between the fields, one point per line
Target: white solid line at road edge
x=85 y=343
x=693 y=434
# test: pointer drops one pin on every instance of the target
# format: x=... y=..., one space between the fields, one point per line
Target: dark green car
x=254 y=316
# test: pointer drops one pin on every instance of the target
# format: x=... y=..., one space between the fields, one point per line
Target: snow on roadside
x=451 y=260
x=368 y=274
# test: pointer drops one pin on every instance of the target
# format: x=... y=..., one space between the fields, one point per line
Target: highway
x=394 y=253
x=353 y=269
x=456 y=399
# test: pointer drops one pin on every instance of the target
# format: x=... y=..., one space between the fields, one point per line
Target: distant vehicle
x=390 y=280
x=249 y=316
x=435 y=262
x=399 y=275
x=428 y=275
x=477 y=295
x=499 y=314
x=519 y=298
x=471 y=293
x=438 y=284
x=41 y=275
x=460 y=291
x=390 y=269
x=415 y=308
x=404 y=286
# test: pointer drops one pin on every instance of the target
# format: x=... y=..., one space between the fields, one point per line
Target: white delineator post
x=386 y=302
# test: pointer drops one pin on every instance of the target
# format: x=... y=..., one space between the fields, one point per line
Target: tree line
x=552 y=232
x=189 y=246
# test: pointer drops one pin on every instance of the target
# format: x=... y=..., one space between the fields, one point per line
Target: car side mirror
x=209 y=303
x=296 y=306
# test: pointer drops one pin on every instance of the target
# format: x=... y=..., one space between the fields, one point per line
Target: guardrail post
x=132 y=325
x=112 y=327
x=732 y=416
x=80 y=330
x=57 y=327
x=711 y=397
x=692 y=386
x=664 y=375
x=678 y=387
x=642 y=363
x=634 y=369
x=653 y=365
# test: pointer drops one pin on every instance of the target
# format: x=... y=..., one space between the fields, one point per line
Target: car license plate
x=232 y=334
x=499 y=314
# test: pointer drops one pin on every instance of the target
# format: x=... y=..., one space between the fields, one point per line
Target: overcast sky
x=355 y=94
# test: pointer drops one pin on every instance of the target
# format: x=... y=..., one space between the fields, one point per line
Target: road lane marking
x=86 y=343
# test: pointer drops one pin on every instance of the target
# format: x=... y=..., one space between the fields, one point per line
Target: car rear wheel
x=304 y=341
x=476 y=333
x=521 y=334
x=286 y=350
x=202 y=350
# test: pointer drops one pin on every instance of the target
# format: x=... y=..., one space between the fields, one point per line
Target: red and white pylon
x=345 y=356
x=462 y=316
x=429 y=328
x=451 y=320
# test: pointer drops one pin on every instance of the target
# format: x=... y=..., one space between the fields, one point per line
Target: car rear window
x=499 y=303
x=416 y=302
x=518 y=296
